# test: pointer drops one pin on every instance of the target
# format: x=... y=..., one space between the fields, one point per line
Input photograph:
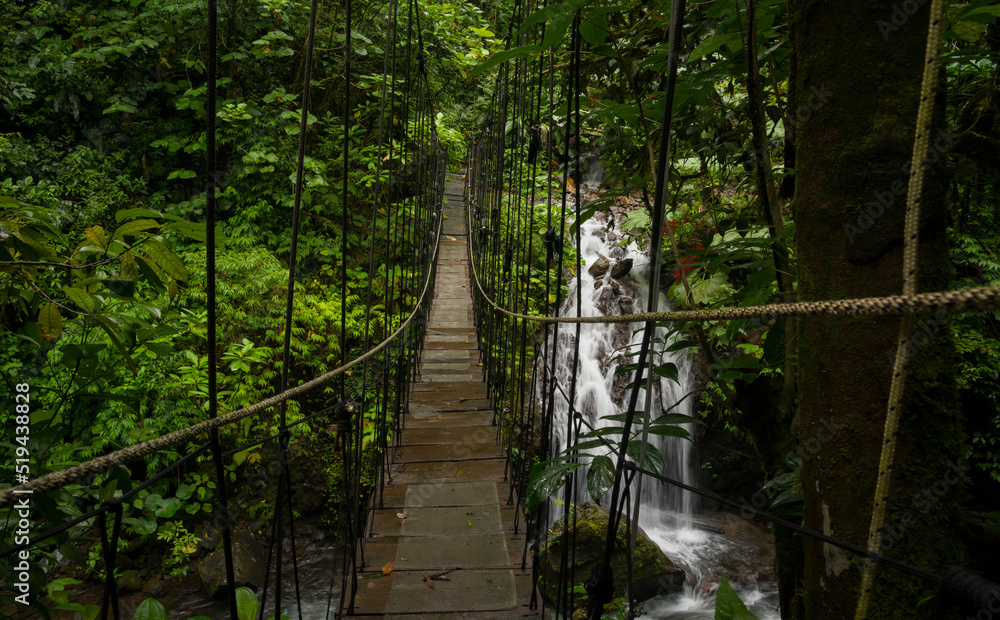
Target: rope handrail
x=59 y=479
x=960 y=300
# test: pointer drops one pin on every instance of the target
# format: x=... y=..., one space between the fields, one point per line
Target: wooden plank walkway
x=447 y=476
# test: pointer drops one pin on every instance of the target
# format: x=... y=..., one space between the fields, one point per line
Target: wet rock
x=625 y=304
x=129 y=581
x=123 y=562
x=621 y=268
x=249 y=560
x=708 y=586
x=615 y=288
x=600 y=267
x=156 y=587
x=208 y=535
x=598 y=284
x=605 y=301
x=653 y=573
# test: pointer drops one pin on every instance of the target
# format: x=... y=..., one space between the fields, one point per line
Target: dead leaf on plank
x=400 y=515
x=387 y=568
x=427 y=580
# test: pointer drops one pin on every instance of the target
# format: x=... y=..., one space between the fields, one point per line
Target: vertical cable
x=211 y=183
x=289 y=301
x=673 y=46
x=606 y=579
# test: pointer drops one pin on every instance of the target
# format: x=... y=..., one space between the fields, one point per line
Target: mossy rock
x=652 y=571
x=249 y=565
x=129 y=581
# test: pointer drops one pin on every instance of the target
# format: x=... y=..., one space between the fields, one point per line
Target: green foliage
x=246 y=604
x=182 y=545
x=728 y=605
x=150 y=609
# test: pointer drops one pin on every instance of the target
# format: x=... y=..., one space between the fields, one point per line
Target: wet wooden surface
x=445 y=523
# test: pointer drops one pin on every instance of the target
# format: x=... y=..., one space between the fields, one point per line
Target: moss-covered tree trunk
x=857 y=85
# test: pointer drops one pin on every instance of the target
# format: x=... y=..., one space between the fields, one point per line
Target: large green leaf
x=600 y=477
x=196 y=231
x=114 y=333
x=169 y=262
x=653 y=461
x=143 y=526
x=667 y=371
x=594 y=30
x=712 y=44
x=134 y=226
x=556 y=29
x=669 y=430
x=501 y=57
x=80 y=297
x=728 y=605
x=246 y=604
x=127 y=214
x=168 y=507
x=128 y=270
x=120 y=287
x=545 y=479
x=50 y=322
x=150 y=609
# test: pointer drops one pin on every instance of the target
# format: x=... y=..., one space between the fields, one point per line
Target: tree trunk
x=857 y=83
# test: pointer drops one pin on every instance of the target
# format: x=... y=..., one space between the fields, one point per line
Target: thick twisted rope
x=59 y=479
x=979 y=298
x=911 y=234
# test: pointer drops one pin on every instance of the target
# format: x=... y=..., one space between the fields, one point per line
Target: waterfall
x=603 y=348
x=666 y=512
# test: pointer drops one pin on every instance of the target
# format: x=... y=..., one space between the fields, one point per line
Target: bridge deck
x=446 y=510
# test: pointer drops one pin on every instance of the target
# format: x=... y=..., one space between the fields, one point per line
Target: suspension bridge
x=434 y=520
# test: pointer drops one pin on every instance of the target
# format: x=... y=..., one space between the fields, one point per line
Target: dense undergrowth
x=101 y=152
x=102 y=190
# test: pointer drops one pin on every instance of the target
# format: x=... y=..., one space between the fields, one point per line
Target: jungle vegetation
x=775 y=173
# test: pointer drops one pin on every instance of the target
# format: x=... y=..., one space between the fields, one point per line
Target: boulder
x=249 y=565
x=600 y=267
x=621 y=268
x=129 y=581
x=708 y=586
x=208 y=536
x=156 y=587
x=652 y=572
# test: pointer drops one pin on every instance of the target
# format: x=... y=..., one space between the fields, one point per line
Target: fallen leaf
x=427 y=580
x=371 y=585
x=405 y=559
x=387 y=568
x=400 y=515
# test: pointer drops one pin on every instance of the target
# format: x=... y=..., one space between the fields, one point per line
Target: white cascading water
x=666 y=512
